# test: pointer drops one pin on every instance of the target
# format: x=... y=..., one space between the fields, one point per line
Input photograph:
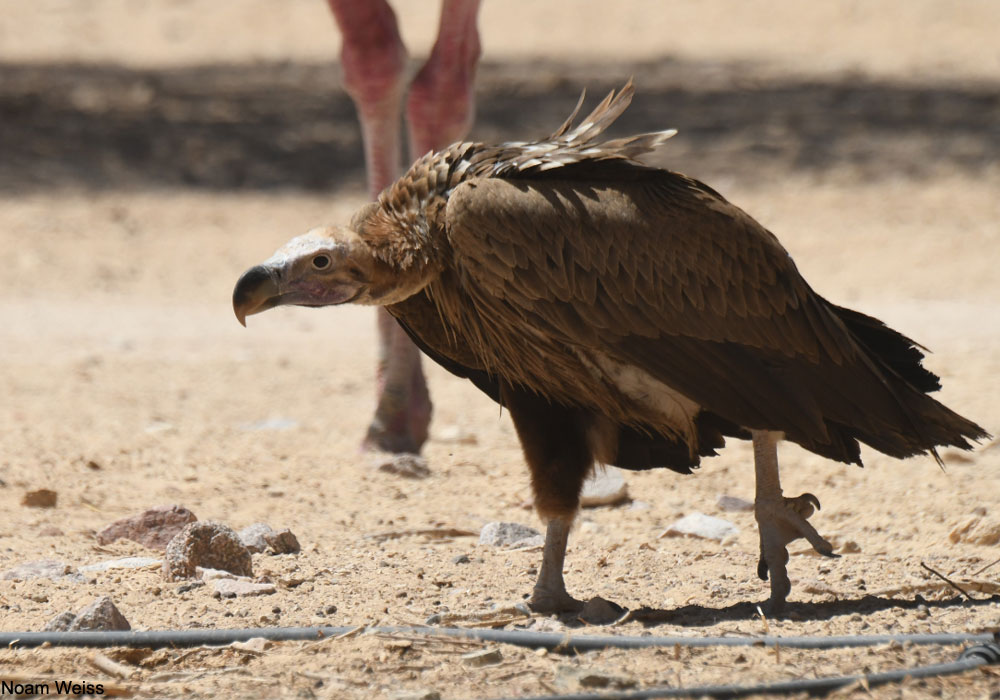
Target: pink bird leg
x=439 y=111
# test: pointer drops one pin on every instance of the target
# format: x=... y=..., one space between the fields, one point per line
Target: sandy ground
x=151 y=151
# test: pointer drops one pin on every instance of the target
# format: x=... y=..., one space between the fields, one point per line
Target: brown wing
x=657 y=270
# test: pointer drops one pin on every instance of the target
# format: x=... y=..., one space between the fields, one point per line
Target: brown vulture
x=623 y=314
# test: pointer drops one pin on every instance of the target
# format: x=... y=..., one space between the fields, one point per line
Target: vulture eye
x=321 y=262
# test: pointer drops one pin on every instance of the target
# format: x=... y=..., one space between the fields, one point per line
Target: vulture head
x=324 y=267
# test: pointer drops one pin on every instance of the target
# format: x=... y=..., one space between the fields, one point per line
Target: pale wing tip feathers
x=572 y=144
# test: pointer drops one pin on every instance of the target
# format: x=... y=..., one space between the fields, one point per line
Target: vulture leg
x=374 y=62
x=779 y=519
x=555 y=443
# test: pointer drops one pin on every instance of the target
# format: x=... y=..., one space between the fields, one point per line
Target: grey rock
x=100 y=615
x=260 y=537
x=208 y=545
x=461 y=559
x=605 y=487
x=507 y=534
x=42 y=568
x=734 y=504
x=153 y=528
x=703 y=526
x=482 y=657
x=61 y=622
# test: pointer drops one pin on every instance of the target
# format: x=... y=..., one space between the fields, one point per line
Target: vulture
x=622 y=314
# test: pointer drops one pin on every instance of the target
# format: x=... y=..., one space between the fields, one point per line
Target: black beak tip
x=247 y=291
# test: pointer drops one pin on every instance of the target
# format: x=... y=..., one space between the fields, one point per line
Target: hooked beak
x=257 y=290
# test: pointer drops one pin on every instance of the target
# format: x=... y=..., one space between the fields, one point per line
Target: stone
x=482 y=657
x=701 y=525
x=61 y=622
x=605 y=487
x=42 y=498
x=255 y=645
x=260 y=537
x=734 y=504
x=208 y=545
x=508 y=534
x=976 y=529
x=124 y=563
x=231 y=588
x=102 y=614
x=42 y=568
x=153 y=528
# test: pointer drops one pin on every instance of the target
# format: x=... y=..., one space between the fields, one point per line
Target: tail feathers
x=894 y=350
x=930 y=424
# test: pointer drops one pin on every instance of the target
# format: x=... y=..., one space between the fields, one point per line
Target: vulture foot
x=780 y=521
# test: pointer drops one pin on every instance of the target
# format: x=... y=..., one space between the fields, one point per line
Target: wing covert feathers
x=566 y=266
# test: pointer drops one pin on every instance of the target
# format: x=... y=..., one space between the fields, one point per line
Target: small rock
x=208 y=545
x=125 y=563
x=461 y=559
x=605 y=487
x=976 y=529
x=42 y=498
x=190 y=586
x=850 y=547
x=51 y=531
x=153 y=528
x=260 y=537
x=508 y=534
x=734 y=504
x=61 y=622
x=256 y=645
x=402 y=464
x=99 y=615
x=701 y=525
x=42 y=568
x=230 y=588
x=483 y=657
